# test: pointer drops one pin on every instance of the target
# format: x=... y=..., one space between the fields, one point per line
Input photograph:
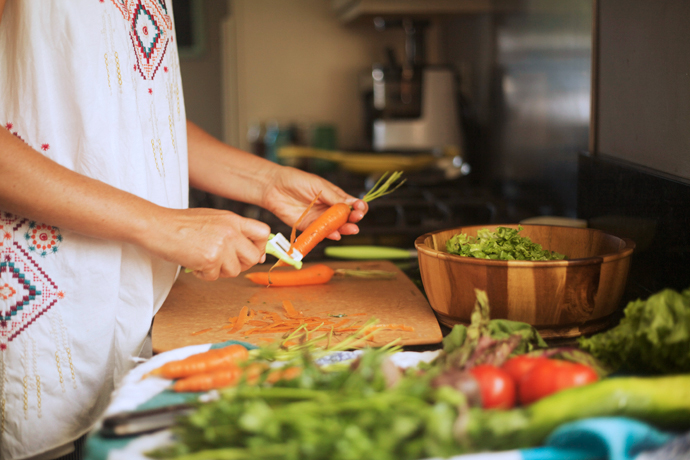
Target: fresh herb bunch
x=346 y=413
x=503 y=244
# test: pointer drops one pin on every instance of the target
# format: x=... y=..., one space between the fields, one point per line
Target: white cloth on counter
x=94 y=86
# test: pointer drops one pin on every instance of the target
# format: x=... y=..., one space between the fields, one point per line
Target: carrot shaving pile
x=293 y=320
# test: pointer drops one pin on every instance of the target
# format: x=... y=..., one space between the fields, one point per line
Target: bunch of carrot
x=200 y=372
x=220 y=368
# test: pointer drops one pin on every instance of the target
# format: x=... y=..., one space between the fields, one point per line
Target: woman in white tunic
x=96 y=157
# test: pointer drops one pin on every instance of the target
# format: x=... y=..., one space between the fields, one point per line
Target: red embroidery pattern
x=9 y=125
x=26 y=290
x=150 y=32
x=43 y=239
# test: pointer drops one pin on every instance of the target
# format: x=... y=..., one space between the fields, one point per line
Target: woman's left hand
x=292 y=190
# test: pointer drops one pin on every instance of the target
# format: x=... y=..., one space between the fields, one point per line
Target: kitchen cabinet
x=354 y=10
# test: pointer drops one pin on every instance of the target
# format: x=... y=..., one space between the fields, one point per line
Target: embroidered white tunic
x=95 y=86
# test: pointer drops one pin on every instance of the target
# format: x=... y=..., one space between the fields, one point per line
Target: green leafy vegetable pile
x=349 y=413
x=486 y=340
x=503 y=244
x=653 y=337
x=372 y=409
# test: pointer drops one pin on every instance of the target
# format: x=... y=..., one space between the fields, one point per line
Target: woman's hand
x=213 y=243
x=290 y=191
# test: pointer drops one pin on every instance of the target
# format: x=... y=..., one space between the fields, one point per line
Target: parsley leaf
x=502 y=244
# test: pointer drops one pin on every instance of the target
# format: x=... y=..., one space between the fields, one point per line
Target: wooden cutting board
x=194 y=305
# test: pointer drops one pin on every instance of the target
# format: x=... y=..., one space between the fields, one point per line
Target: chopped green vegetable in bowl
x=503 y=244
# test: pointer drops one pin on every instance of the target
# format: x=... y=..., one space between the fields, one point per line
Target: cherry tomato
x=520 y=365
x=551 y=376
x=496 y=386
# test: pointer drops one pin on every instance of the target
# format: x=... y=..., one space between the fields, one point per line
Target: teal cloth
x=601 y=438
x=97 y=446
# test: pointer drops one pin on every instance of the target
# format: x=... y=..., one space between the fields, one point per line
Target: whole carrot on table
x=336 y=216
x=207 y=361
x=315 y=274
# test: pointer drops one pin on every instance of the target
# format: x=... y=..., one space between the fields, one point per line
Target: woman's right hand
x=212 y=243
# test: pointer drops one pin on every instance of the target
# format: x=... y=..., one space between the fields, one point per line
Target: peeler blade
x=279 y=247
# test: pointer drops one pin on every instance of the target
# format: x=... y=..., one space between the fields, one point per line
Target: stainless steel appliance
x=410 y=105
x=438 y=125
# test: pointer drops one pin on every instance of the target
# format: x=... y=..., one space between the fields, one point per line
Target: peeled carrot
x=207 y=361
x=223 y=377
x=315 y=274
x=335 y=217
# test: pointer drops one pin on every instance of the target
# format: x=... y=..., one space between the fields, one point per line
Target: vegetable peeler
x=279 y=246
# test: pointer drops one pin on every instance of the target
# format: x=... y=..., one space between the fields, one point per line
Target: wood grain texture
x=194 y=305
x=560 y=298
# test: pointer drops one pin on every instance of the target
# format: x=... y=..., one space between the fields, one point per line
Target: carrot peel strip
x=290 y=310
x=241 y=319
x=203 y=331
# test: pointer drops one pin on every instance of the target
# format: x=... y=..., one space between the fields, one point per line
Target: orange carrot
x=202 y=362
x=315 y=274
x=288 y=373
x=299 y=221
x=335 y=217
x=241 y=319
x=223 y=377
x=253 y=372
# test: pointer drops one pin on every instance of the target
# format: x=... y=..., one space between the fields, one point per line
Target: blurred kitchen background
x=484 y=103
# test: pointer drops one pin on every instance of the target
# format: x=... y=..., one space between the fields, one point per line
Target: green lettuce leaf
x=652 y=338
x=488 y=340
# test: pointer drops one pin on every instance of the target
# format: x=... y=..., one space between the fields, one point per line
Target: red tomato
x=551 y=376
x=496 y=386
x=520 y=365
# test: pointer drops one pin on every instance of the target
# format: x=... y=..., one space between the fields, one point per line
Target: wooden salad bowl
x=561 y=298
